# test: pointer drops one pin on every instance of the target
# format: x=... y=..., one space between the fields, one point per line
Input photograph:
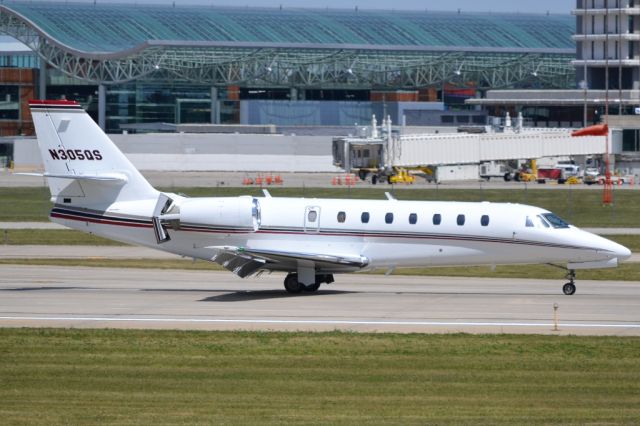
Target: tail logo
x=75 y=154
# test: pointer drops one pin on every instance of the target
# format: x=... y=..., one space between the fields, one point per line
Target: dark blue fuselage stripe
x=84 y=214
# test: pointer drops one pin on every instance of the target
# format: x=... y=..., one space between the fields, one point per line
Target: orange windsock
x=597 y=130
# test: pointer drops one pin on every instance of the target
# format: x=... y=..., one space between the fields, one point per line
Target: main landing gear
x=292 y=285
x=570 y=288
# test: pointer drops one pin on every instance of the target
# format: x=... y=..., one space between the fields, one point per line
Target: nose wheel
x=570 y=288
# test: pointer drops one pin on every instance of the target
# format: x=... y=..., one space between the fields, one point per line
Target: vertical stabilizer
x=84 y=167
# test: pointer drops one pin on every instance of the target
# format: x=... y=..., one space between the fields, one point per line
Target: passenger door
x=312 y=219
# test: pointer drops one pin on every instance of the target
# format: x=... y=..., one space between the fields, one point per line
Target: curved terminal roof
x=113 y=43
x=117 y=27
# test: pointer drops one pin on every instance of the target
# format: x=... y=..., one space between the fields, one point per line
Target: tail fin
x=83 y=166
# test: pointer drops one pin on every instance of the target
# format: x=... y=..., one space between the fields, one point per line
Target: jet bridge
x=391 y=150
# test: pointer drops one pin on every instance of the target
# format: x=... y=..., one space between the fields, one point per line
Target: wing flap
x=244 y=261
x=241 y=265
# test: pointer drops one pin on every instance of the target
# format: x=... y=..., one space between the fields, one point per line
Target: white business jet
x=96 y=189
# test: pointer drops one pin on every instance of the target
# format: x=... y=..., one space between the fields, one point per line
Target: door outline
x=312 y=226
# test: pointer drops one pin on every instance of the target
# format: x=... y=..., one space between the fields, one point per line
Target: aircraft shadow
x=247 y=296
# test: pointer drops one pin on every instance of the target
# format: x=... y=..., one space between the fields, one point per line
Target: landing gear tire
x=569 y=289
x=292 y=285
x=311 y=288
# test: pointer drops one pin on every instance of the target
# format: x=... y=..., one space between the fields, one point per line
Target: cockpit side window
x=529 y=222
x=555 y=221
x=543 y=222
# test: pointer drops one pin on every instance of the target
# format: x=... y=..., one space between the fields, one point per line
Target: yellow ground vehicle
x=401 y=175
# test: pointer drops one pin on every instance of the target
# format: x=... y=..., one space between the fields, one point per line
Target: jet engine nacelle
x=235 y=213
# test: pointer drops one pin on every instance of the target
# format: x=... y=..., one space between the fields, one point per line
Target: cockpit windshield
x=555 y=221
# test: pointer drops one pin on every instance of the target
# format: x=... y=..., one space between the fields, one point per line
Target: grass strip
x=624 y=272
x=55 y=376
x=582 y=207
x=56 y=237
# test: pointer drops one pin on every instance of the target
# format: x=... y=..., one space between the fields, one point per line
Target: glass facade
x=19 y=61
x=631 y=140
x=9 y=102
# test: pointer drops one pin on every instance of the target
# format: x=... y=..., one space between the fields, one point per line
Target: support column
x=293 y=94
x=42 y=80
x=215 y=106
x=102 y=106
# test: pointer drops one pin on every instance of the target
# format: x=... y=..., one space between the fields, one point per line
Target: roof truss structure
x=301 y=66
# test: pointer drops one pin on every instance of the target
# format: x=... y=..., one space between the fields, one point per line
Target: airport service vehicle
x=615 y=179
x=96 y=189
x=494 y=169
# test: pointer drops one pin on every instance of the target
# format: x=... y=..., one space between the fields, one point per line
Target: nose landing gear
x=570 y=288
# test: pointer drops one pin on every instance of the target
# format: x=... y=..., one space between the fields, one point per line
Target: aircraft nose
x=618 y=251
x=622 y=253
x=614 y=250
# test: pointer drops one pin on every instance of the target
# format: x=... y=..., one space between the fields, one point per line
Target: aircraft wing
x=244 y=261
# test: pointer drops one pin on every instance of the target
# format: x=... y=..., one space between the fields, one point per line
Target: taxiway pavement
x=50 y=296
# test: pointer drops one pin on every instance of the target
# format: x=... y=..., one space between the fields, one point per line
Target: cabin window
x=365 y=217
x=437 y=219
x=413 y=218
x=460 y=220
x=342 y=216
x=388 y=218
x=312 y=216
x=484 y=220
x=529 y=222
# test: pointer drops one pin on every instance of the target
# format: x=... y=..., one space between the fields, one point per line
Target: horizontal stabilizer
x=99 y=177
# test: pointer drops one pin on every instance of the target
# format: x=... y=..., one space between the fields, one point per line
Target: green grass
x=582 y=207
x=624 y=272
x=60 y=237
x=198 y=265
x=53 y=376
x=24 y=204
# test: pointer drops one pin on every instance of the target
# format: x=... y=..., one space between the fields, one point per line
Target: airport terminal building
x=139 y=64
